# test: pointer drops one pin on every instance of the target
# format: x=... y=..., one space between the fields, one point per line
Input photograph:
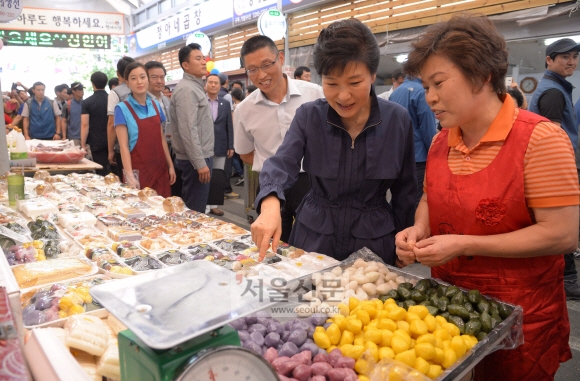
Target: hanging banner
x=202 y=39
x=59 y=21
x=9 y=10
x=246 y=11
x=204 y=17
x=272 y=24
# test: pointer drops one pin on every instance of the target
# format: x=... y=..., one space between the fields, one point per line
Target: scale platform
x=171 y=306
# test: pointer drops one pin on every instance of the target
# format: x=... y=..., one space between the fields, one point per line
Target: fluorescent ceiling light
x=401 y=58
x=548 y=41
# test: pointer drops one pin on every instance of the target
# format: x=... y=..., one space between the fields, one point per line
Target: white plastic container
x=18 y=149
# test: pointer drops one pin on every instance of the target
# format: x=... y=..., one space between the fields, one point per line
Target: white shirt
x=260 y=124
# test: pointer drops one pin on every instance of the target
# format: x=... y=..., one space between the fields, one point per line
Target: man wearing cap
x=553 y=100
x=71 y=114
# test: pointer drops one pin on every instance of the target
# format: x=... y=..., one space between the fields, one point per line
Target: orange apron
x=488 y=202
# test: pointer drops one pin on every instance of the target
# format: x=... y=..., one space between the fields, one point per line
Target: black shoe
x=240 y=181
x=572 y=291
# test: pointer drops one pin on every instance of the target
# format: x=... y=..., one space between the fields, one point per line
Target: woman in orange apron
x=501 y=194
x=138 y=126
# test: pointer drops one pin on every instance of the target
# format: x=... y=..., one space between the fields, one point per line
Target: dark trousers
x=228 y=174
x=237 y=163
x=570 y=268
x=102 y=158
x=293 y=197
x=194 y=193
x=118 y=169
x=177 y=186
x=420 y=167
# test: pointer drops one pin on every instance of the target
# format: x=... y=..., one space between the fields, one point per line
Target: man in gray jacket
x=192 y=129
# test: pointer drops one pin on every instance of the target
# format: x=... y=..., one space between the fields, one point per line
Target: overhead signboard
x=9 y=10
x=55 y=40
x=68 y=21
x=246 y=11
x=203 y=17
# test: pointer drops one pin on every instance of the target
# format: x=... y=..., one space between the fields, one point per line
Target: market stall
x=88 y=257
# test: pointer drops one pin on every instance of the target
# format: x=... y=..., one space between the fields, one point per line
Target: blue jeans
x=194 y=193
x=237 y=163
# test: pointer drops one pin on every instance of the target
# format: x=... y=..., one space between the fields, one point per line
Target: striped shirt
x=550 y=176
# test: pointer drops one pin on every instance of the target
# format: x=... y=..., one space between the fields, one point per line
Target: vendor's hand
x=268 y=225
x=112 y=160
x=230 y=153
x=56 y=137
x=172 y=176
x=204 y=175
x=438 y=250
x=131 y=180
x=405 y=243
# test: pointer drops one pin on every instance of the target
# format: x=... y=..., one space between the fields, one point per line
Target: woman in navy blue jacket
x=354 y=146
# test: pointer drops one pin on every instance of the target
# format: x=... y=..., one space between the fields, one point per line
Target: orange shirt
x=550 y=176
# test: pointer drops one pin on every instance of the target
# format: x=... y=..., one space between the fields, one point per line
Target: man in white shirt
x=263 y=118
x=398 y=78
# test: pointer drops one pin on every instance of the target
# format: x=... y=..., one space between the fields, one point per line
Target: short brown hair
x=469 y=41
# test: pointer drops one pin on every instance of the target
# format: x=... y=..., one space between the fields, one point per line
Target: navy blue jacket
x=569 y=122
x=223 y=129
x=411 y=95
x=346 y=208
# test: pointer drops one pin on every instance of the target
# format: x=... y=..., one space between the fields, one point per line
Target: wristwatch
x=59 y=134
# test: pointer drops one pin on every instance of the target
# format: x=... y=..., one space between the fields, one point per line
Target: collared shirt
x=124 y=116
x=260 y=124
x=213 y=105
x=95 y=107
x=73 y=117
x=411 y=95
x=550 y=178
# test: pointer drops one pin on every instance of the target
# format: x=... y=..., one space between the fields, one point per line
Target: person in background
x=302 y=73
x=10 y=107
x=40 y=117
x=138 y=122
x=167 y=91
x=353 y=146
x=411 y=95
x=501 y=194
x=113 y=82
x=238 y=171
x=224 y=93
x=263 y=119
x=398 y=78
x=62 y=96
x=518 y=97
x=71 y=114
x=118 y=94
x=236 y=84
x=250 y=89
x=156 y=73
x=94 y=121
x=552 y=99
x=223 y=144
x=192 y=135
x=21 y=97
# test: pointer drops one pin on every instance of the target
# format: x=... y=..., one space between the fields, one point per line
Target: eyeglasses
x=266 y=67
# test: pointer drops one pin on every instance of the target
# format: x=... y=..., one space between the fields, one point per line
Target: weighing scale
x=177 y=324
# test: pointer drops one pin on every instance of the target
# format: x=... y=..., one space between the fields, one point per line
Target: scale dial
x=226 y=364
